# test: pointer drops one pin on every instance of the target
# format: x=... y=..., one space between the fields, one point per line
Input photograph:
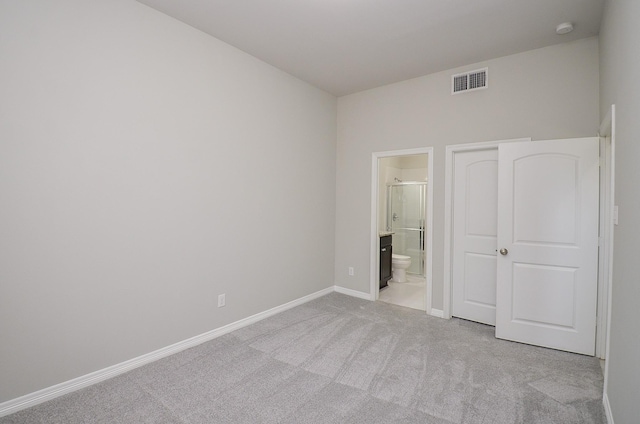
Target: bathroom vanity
x=385 y=259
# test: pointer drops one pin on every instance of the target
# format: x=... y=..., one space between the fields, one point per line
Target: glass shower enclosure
x=406 y=210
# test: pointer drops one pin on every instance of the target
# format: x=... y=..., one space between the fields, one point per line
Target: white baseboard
x=32 y=399
x=437 y=313
x=354 y=293
x=607 y=408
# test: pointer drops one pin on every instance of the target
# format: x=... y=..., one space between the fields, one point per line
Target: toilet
x=399 y=265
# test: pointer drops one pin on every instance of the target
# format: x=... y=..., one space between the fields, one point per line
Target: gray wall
x=544 y=94
x=619 y=71
x=145 y=168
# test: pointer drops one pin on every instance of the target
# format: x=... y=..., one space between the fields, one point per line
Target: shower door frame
x=374 y=287
x=423 y=211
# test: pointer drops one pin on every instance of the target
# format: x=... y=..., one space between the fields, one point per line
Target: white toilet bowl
x=399 y=265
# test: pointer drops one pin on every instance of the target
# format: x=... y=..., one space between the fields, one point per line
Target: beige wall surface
x=547 y=93
x=145 y=168
x=620 y=85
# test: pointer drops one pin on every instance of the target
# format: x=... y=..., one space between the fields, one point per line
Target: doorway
x=401 y=211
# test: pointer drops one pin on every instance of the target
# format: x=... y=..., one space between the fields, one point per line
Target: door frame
x=607 y=131
x=605 y=254
x=451 y=150
x=374 y=286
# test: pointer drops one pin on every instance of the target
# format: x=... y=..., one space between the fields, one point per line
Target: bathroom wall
x=413 y=167
x=414 y=174
x=389 y=170
x=544 y=94
x=404 y=168
x=145 y=168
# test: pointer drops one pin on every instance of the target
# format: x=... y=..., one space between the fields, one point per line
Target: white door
x=548 y=228
x=475 y=206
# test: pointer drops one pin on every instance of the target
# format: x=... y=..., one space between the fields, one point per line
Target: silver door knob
x=503 y=251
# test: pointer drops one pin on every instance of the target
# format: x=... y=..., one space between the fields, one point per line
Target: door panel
x=548 y=222
x=542 y=215
x=532 y=284
x=475 y=200
x=480 y=284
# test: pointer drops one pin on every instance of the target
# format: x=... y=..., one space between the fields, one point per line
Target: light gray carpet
x=344 y=360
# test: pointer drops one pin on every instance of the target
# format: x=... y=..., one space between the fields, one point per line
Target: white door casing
x=475 y=200
x=374 y=250
x=548 y=224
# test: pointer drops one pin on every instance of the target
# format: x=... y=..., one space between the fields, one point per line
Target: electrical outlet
x=351 y=271
x=221 y=300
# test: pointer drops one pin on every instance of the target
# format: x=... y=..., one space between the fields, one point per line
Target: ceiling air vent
x=474 y=80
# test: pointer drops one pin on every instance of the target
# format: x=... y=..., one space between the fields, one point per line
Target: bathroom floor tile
x=410 y=294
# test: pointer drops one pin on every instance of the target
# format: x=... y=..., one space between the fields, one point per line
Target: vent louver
x=469 y=81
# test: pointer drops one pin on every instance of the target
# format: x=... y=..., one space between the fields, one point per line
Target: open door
x=548 y=243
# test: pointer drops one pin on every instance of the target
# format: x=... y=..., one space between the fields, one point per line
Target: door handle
x=503 y=251
x=384 y=250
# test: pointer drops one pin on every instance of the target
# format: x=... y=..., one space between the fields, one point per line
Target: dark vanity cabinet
x=385 y=260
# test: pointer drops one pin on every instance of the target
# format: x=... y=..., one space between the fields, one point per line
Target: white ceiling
x=345 y=46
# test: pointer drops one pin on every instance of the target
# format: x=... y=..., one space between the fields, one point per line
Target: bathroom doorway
x=402 y=214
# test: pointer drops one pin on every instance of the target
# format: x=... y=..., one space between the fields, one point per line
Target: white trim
x=32 y=399
x=609 y=279
x=429 y=248
x=353 y=293
x=374 y=286
x=604 y=245
x=450 y=152
x=602 y=237
x=374 y=243
x=605 y=253
x=438 y=313
x=607 y=409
